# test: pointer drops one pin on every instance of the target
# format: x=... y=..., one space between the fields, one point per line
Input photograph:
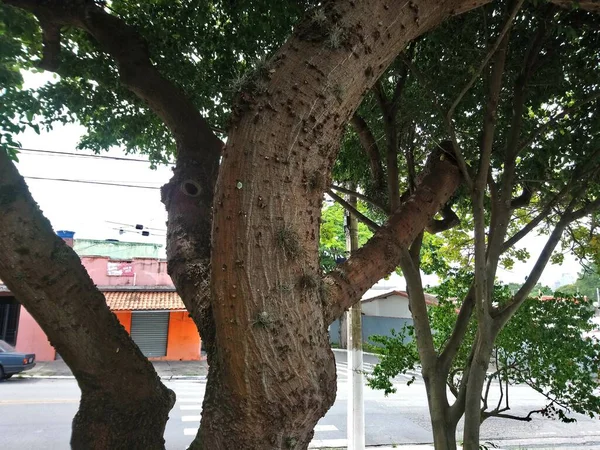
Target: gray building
x=380 y=315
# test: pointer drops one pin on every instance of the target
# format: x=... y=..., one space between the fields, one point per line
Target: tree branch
x=537 y=220
x=48 y=279
x=449 y=127
x=418 y=309
x=189 y=195
x=361 y=197
x=346 y=284
x=355 y=212
x=137 y=73
x=524 y=199
x=369 y=146
x=503 y=315
x=449 y=220
x=491 y=109
x=486 y=59
x=460 y=329
x=500 y=415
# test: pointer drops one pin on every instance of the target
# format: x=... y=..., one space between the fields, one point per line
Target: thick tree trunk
x=276 y=373
x=123 y=403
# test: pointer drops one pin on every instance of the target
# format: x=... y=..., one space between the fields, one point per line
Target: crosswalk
x=190 y=393
x=342 y=373
x=189 y=409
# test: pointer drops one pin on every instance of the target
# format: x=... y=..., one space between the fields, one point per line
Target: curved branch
x=346 y=284
x=449 y=220
x=137 y=72
x=198 y=148
x=369 y=145
x=524 y=199
x=48 y=279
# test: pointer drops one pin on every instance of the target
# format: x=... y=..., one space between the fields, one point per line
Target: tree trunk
x=442 y=422
x=477 y=376
x=276 y=372
x=123 y=403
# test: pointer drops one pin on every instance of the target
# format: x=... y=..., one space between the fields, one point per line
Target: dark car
x=12 y=362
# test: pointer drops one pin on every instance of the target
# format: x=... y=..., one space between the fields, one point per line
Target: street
x=36 y=414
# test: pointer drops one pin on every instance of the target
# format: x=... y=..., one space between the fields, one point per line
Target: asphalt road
x=37 y=413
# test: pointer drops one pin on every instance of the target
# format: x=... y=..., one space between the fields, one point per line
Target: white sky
x=87 y=209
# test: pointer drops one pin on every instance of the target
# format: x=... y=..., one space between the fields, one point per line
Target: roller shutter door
x=149 y=331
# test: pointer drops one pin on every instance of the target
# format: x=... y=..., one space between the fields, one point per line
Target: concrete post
x=356 y=413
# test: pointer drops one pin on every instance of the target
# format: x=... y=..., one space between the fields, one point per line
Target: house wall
x=372 y=325
x=392 y=306
x=32 y=339
x=183 y=342
x=148 y=272
x=382 y=326
x=125 y=319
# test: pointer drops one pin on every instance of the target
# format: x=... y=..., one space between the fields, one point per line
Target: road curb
x=71 y=377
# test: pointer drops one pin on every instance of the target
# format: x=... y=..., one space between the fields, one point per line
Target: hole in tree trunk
x=190 y=188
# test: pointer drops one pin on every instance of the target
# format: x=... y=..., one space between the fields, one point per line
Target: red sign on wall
x=120 y=269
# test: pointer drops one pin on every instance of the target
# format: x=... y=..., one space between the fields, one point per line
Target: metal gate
x=149 y=331
x=9 y=321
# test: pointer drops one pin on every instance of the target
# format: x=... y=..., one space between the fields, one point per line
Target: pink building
x=140 y=293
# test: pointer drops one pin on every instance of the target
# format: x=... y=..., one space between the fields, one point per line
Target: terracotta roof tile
x=143 y=300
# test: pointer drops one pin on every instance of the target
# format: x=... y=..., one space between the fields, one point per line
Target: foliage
x=542 y=346
x=538 y=289
x=203 y=47
x=398 y=354
x=587 y=283
x=332 y=245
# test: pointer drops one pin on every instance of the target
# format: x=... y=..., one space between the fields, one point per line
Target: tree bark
x=442 y=422
x=267 y=296
x=123 y=403
x=477 y=376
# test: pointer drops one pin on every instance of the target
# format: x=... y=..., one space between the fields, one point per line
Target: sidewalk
x=167 y=370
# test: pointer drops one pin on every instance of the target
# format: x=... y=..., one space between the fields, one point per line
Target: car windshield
x=4 y=347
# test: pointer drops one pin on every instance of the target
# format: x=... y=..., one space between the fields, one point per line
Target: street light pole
x=356 y=413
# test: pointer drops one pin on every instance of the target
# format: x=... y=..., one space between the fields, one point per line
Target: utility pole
x=356 y=413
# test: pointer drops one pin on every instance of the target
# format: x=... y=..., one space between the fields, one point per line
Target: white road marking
x=326 y=428
x=190 y=407
x=190 y=418
x=190 y=431
x=190 y=400
x=317 y=443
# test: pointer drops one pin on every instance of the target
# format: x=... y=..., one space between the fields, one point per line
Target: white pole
x=356 y=412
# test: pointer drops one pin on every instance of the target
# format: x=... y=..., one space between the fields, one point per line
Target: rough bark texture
x=123 y=403
x=278 y=374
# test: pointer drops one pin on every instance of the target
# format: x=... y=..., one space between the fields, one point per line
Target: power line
x=92 y=182
x=136 y=226
x=121 y=231
x=83 y=155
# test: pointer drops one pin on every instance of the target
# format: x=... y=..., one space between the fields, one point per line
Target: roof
x=429 y=299
x=143 y=300
x=136 y=298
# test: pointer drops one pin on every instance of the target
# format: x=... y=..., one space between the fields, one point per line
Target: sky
x=91 y=209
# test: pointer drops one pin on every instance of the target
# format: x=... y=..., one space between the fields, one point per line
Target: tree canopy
x=542 y=346
x=460 y=131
